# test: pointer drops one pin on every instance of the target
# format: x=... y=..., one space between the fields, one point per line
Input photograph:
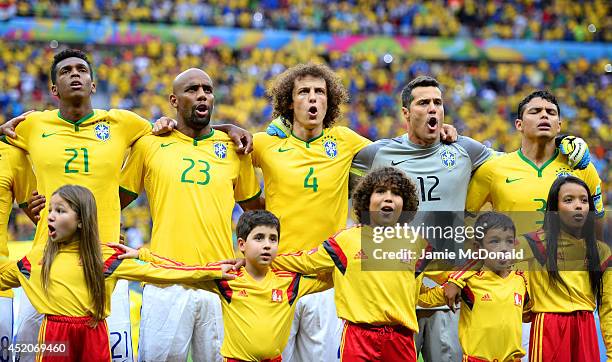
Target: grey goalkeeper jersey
x=441 y=172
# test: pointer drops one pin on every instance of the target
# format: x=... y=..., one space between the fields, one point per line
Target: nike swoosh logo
x=167 y=144
x=280 y=149
x=45 y=135
x=511 y=180
x=394 y=163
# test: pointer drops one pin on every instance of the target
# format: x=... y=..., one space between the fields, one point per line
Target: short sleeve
x=133 y=125
x=247 y=185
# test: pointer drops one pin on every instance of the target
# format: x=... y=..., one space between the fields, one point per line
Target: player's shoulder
x=376 y=146
x=350 y=231
x=340 y=131
x=283 y=274
x=262 y=139
x=120 y=115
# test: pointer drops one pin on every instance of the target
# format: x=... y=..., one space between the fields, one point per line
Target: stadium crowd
x=479 y=97
x=521 y=19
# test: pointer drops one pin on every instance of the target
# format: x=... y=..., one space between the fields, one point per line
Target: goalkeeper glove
x=279 y=127
x=576 y=149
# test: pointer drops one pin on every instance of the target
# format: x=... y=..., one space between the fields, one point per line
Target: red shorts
x=72 y=339
x=275 y=359
x=563 y=337
x=365 y=342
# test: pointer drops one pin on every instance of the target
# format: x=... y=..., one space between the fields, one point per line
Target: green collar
x=203 y=137
x=308 y=142
x=538 y=169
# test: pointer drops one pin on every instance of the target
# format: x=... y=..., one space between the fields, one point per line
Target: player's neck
x=256 y=272
x=193 y=132
x=412 y=137
x=75 y=111
x=538 y=152
x=306 y=134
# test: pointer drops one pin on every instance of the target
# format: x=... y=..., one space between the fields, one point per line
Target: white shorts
x=174 y=319
x=29 y=321
x=316 y=330
x=525 y=340
x=6 y=328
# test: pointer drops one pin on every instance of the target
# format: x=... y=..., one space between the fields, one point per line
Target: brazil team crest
x=449 y=158
x=102 y=131
x=563 y=172
x=220 y=150
x=330 y=146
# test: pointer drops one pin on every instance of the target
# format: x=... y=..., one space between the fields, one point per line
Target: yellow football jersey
x=16 y=183
x=490 y=322
x=513 y=183
x=257 y=315
x=68 y=294
x=374 y=296
x=306 y=183
x=89 y=152
x=192 y=186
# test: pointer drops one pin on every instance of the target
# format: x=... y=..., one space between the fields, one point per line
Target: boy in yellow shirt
x=493 y=296
x=257 y=293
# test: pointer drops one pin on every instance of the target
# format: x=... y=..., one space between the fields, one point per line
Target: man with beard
x=192 y=176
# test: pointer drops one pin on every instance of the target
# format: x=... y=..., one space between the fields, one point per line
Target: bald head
x=189 y=75
x=192 y=97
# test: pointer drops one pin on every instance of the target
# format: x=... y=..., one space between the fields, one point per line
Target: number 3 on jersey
x=310 y=182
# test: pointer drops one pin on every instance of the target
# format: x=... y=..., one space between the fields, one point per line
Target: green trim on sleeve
x=251 y=198
x=23 y=205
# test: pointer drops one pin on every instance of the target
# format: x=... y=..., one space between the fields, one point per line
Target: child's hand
x=227 y=270
x=128 y=253
x=235 y=263
x=451 y=293
x=35 y=205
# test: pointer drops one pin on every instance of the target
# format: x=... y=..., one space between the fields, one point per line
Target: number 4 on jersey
x=310 y=182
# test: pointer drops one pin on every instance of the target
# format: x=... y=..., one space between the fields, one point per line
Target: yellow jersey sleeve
x=605 y=309
x=247 y=185
x=479 y=190
x=431 y=297
x=259 y=145
x=355 y=141
x=24 y=181
x=314 y=284
x=25 y=131
x=9 y=275
x=132 y=124
x=136 y=269
x=321 y=259
x=591 y=178
x=132 y=174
